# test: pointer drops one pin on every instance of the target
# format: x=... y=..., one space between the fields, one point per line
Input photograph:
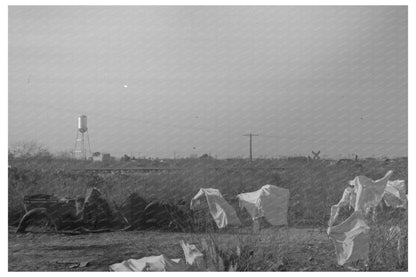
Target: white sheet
x=363 y=194
x=222 y=212
x=351 y=239
x=269 y=201
x=369 y=192
x=152 y=263
x=395 y=194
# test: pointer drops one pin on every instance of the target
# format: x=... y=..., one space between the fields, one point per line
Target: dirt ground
x=303 y=249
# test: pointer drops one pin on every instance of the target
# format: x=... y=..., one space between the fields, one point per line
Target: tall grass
x=314 y=186
x=388 y=241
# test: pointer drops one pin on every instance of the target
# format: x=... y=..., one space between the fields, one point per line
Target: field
x=309 y=249
x=314 y=186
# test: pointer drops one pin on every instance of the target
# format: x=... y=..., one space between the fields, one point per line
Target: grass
x=271 y=250
x=314 y=186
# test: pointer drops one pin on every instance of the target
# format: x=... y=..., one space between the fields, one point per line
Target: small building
x=102 y=157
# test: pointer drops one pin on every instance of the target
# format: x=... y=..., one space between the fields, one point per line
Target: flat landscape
x=299 y=249
x=236 y=138
x=302 y=246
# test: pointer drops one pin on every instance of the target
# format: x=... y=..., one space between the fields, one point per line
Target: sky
x=164 y=81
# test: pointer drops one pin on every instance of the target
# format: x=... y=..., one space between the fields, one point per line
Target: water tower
x=80 y=150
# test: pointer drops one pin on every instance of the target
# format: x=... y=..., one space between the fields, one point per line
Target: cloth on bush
x=222 y=212
x=369 y=192
x=351 y=239
x=210 y=259
x=269 y=201
x=362 y=194
x=347 y=199
x=96 y=213
x=152 y=263
x=133 y=211
x=395 y=194
x=192 y=255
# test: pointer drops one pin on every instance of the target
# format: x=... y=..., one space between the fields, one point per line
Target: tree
x=64 y=154
x=29 y=149
x=125 y=158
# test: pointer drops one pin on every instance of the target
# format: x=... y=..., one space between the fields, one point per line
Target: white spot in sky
x=125 y=86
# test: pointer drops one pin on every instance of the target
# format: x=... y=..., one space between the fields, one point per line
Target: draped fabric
x=362 y=195
x=269 y=201
x=395 y=194
x=221 y=211
x=351 y=239
x=152 y=263
x=369 y=192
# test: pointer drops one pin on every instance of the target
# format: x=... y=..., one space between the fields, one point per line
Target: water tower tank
x=82 y=123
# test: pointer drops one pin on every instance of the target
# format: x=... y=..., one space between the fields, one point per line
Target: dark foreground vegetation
x=314 y=186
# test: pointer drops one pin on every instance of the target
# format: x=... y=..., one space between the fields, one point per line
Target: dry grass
x=314 y=187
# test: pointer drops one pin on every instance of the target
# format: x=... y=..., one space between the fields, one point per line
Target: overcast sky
x=194 y=80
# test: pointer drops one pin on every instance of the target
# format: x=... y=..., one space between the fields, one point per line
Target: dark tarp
x=133 y=211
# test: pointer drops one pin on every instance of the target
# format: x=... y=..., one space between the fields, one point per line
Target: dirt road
x=303 y=249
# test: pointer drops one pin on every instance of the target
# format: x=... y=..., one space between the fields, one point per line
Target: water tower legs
x=80 y=150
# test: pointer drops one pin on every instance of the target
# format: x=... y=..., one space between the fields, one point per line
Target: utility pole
x=251 y=144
